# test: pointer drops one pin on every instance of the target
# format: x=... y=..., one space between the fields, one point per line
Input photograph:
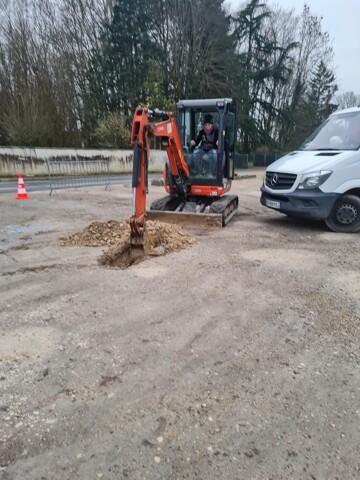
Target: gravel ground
x=235 y=358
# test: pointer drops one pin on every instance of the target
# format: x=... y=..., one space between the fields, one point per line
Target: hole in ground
x=160 y=238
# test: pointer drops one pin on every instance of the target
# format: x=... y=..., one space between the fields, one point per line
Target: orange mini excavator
x=196 y=187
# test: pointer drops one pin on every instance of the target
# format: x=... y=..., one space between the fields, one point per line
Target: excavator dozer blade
x=197 y=212
x=187 y=219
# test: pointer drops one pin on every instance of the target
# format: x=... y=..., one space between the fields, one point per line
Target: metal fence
x=77 y=173
x=243 y=160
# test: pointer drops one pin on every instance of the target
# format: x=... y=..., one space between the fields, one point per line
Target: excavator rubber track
x=195 y=212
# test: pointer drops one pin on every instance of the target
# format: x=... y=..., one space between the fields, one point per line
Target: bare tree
x=29 y=111
x=313 y=46
x=46 y=48
x=347 y=99
x=76 y=40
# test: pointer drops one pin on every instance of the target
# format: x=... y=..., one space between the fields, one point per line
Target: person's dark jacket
x=208 y=141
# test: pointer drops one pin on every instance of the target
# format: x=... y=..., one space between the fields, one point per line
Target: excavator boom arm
x=142 y=129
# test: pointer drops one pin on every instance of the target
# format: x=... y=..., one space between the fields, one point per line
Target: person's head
x=208 y=123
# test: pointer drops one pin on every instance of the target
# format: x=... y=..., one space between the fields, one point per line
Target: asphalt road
x=40 y=185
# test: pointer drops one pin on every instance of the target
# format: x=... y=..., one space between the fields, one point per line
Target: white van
x=321 y=180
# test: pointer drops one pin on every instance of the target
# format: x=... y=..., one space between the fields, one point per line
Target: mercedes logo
x=274 y=179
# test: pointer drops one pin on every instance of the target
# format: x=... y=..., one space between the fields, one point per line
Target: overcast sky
x=341 y=19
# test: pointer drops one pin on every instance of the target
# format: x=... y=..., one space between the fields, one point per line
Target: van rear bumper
x=313 y=204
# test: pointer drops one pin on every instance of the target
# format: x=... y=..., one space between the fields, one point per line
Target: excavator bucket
x=137 y=251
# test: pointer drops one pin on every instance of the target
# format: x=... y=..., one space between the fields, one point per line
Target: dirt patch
x=160 y=239
x=26 y=343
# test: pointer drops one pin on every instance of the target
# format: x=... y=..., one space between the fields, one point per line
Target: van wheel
x=345 y=215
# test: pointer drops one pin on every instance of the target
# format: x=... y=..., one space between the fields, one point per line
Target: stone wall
x=32 y=161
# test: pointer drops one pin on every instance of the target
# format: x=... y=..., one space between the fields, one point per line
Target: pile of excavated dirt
x=99 y=234
x=160 y=239
x=167 y=237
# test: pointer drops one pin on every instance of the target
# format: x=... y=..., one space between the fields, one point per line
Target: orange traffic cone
x=21 y=194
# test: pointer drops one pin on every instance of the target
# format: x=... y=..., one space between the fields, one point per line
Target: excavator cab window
x=202 y=164
x=185 y=130
x=230 y=146
x=204 y=168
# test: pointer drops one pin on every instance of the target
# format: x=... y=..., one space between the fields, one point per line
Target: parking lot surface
x=234 y=358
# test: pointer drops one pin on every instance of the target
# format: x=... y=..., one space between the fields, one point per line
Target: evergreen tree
x=322 y=90
x=197 y=54
x=316 y=104
x=122 y=65
x=254 y=66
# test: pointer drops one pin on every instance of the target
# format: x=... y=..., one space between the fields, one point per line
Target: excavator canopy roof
x=204 y=103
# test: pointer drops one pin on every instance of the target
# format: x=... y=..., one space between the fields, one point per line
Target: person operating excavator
x=207 y=142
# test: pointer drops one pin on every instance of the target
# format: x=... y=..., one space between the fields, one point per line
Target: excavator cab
x=216 y=168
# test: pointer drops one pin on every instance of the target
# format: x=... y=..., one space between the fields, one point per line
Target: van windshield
x=339 y=132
